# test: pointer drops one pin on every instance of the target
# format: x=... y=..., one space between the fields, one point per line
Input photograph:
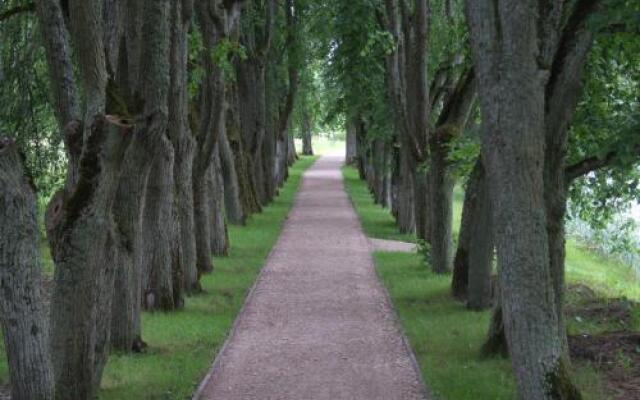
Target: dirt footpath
x=318 y=324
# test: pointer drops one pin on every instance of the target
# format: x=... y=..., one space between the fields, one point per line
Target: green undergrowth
x=446 y=337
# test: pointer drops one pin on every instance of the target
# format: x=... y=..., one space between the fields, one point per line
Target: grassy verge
x=445 y=336
x=182 y=345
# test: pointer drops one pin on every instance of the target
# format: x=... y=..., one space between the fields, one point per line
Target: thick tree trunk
x=405 y=216
x=291 y=151
x=127 y=212
x=268 y=167
x=80 y=233
x=481 y=251
x=307 y=136
x=361 y=148
x=242 y=158
x=158 y=235
x=232 y=202
x=473 y=262
x=351 y=152
x=512 y=93
x=378 y=169
x=496 y=342
x=184 y=268
x=388 y=176
x=282 y=164
x=202 y=208
x=440 y=209
x=183 y=207
x=420 y=206
x=25 y=323
x=219 y=236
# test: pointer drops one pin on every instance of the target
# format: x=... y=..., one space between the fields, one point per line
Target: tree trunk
x=127 y=212
x=232 y=202
x=307 y=135
x=440 y=209
x=80 y=233
x=496 y=342
x=219 y=236
x=481 y=249
x=388 y=176
x=282 y=170
x=184 y=266
x=242 y=158
x=361 y=148
x=474 y=256
x=25 y=324
x=351 y=152
x=405 y=218
x=420 y=207
x=201 y=207
x=512 y=93
x=158 y=235
x=291 y=151
x=268 y=167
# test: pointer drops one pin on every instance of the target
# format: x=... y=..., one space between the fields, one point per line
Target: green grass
x=446 y=337
x=182 y=345
x=376 y=222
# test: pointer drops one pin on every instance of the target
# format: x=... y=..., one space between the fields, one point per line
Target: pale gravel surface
x=318 y=324
x=393 y=246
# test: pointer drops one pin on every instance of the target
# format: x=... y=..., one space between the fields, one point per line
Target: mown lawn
x=444 y=335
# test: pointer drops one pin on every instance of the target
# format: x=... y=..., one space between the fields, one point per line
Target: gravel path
x=318 y=323
x=393 y=246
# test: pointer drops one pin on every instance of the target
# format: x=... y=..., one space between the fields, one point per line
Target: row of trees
x=147 y=130
x=529 y=104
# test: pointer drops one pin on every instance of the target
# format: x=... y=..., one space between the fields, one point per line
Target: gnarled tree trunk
x=158 y=235
x=512 y=92
x=219 y=236
x=25 y=324
x=232 y=202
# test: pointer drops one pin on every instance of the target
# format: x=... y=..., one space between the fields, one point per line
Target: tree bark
x=214 y=25
x=474 y=256
x=80 y=232
x=219 y=235
x=242 y=158
x=440 y=208
x=351 y=152
x=65 y=93
x=158 y=235
x=496 y=342
x=508 y=55
x=232 y=201
x=25 y=323
x=481 y=249
x=184 y=152
x=291 y=151
x=307 y=135
x=127 y=211
x=405 y=216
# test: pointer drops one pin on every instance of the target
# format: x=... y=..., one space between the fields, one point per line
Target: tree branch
x=595 y=163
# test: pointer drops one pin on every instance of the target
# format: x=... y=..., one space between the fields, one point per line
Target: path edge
x=426 y=393
x=197 y=395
